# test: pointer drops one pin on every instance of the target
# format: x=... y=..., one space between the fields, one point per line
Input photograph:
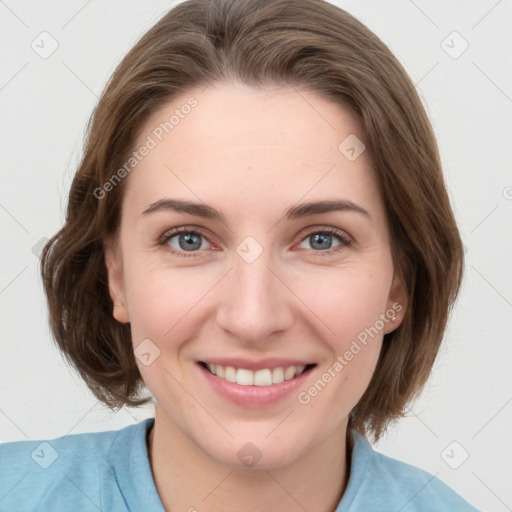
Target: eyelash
x=342 y=237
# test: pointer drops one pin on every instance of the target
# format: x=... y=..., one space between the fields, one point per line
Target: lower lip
x=254 y=396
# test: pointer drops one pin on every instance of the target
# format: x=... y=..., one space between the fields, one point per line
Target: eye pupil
x=321 y=237
x=192 y=241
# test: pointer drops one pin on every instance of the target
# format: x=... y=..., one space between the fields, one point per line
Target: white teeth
x=244 y=377
x=289 y=373
x=265 y=377
x=277 y=375
x=230 y=374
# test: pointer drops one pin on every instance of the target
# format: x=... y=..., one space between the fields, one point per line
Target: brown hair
x=302 y=43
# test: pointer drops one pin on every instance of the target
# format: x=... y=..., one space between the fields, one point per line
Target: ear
x=397 y=304
x=114 y=264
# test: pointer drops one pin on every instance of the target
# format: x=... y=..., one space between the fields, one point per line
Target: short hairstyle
x=307 y=44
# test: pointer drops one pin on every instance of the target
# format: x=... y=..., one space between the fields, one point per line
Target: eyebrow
x=295 y=212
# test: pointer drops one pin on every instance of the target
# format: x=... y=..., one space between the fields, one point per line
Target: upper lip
x=253 y=365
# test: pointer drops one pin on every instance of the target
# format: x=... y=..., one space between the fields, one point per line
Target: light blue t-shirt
x=110 y=472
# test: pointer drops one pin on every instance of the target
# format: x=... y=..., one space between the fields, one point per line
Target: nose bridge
x=255 y=302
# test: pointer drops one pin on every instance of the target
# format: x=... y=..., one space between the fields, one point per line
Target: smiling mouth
x=263 y=377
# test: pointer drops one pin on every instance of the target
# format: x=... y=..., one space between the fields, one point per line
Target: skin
x=252 y=154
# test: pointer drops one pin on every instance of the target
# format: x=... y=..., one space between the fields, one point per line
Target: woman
x=258 y=233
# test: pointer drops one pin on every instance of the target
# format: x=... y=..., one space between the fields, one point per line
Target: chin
x=253 y=456
x=256 y=450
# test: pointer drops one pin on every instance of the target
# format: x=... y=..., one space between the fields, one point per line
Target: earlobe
x=116 y=290
x=397 y=304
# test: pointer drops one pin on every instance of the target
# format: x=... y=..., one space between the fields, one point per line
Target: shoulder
x=378 y=482
x=66 y=470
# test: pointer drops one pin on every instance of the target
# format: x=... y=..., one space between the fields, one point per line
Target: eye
x=186 y=242
x=321 y=241
x=181 y=241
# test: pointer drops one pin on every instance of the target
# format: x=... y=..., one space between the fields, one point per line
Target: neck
x=188 y=479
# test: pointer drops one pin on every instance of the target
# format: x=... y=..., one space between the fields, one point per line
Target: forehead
x=256 y=144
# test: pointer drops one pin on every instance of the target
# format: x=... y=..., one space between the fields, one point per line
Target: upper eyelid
x=171 y=233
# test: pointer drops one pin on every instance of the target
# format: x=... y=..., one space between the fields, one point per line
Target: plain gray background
x=459 y=55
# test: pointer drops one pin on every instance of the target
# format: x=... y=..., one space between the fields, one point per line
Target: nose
x=256 y=303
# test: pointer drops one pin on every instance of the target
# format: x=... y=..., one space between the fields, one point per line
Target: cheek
x=347 y=302
x=166 y=305
x=160 y=302
x=350 y=308
x=164 y=308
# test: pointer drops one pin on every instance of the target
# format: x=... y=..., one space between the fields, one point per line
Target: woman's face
x=257 y=281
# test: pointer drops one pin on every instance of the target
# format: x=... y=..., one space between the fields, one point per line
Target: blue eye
x=321 y=241
x=185 y=242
